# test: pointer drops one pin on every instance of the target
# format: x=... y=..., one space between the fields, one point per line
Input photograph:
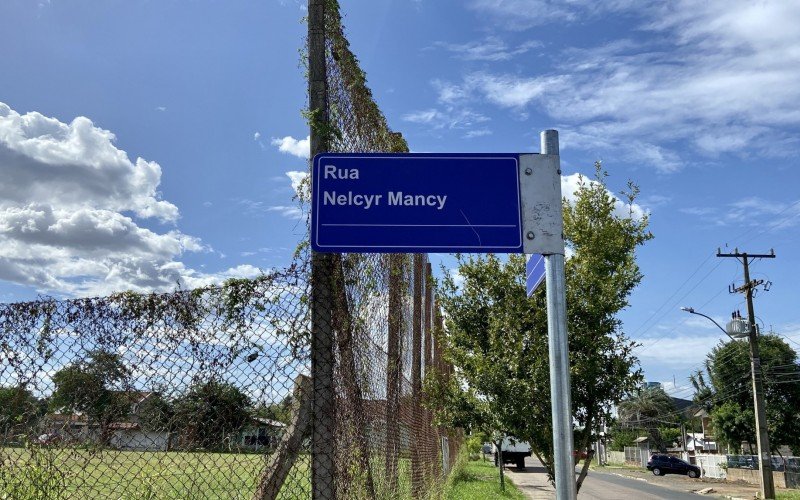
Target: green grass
x=55 y=473
x=787 y=495
x=478 y=480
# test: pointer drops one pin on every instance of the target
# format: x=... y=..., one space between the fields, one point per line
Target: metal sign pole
x=561 y=400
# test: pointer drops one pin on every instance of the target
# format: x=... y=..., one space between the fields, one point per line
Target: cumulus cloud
x=296 y=147
x=570 y=184
x=297 y=178
x=69 y=205
x=43 y=158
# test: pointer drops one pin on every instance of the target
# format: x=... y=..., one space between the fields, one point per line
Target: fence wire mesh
x=210 y=393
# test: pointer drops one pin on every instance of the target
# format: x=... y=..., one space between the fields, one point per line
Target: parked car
x=665 y=464
x=486 y=448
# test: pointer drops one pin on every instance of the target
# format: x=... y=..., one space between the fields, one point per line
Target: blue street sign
x=534 y=272
x=418 y=202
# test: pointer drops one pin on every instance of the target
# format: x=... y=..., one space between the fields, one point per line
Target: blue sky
x=146 y=143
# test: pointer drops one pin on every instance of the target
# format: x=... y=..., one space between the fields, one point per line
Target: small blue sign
x=416 y=202
x=534 y=272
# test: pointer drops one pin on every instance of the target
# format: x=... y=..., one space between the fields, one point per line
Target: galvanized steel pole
x=560 y=394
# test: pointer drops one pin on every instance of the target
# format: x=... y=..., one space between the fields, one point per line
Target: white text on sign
x=367 y=201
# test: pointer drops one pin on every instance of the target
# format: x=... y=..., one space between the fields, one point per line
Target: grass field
x=55 y=473
x=478 y=480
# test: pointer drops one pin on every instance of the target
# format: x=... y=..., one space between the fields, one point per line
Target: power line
x=673 y=295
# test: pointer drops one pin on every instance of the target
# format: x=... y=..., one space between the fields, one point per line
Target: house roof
x=269 y=422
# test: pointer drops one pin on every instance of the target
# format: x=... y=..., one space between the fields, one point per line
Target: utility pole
x=762 y=437
x=322 y=338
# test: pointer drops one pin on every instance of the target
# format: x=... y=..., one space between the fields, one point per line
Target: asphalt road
x=597 y=485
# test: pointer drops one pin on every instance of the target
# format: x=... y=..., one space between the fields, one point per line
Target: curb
x=629 y=477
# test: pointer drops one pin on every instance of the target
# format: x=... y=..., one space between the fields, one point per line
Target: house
x=127 y=434
x=697 y=442
x=68 y=428
x=704 y=442
x=261 y=433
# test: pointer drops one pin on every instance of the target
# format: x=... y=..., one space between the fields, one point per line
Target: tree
x=648 y=410
x=19 y=408
x=647 y=406
x=94 y=386
x=497 y=338
x=211 y=412
x=280 y=411
x=727 y=392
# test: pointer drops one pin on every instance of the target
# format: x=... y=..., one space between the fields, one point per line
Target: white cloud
x=570 y=184
x=490 y=48
x=477 y=133
x=43 y=159
x=449 y=117
x=69 y=204
x=297 y=147
x=289 y=211
x=523 y=14
x=195 y=280
x=721 y=76
x=678 y=352
x=751 y=211
x=256 y=136
x=297 y=178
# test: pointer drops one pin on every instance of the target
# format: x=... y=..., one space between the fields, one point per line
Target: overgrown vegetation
x=476 y=480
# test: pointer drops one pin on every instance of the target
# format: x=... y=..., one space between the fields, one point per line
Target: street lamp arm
x=692 y=311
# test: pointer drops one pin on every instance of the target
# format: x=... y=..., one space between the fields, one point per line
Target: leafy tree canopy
x=94 y=386
x=18 y=408
x=212 y=413
x=726 y=391
x=497 y=338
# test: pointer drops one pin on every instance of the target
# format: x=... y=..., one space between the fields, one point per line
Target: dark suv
x=665 y=464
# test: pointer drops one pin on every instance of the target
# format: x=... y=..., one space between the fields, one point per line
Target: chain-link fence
x=306 y=381
x=377 y=312
x=179 y=395
x=205 y=393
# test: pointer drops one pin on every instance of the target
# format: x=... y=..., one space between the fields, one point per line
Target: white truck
x=514 y=452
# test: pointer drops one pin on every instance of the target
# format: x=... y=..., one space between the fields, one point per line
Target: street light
x=739 y=328
x=691 y=310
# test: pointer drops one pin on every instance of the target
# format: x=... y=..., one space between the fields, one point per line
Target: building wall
x=754 y=477
x=140 y=440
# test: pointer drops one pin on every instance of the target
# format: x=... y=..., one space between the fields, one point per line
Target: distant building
x=124 y=435
x=261 y=433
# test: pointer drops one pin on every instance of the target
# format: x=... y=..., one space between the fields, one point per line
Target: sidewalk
x=533 y=482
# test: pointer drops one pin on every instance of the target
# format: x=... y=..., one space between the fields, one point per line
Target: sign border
x=519 y=248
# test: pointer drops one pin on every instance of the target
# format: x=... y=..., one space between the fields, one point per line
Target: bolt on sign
x=436 y=203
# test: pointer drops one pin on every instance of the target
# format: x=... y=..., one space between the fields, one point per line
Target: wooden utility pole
x=762 y=436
